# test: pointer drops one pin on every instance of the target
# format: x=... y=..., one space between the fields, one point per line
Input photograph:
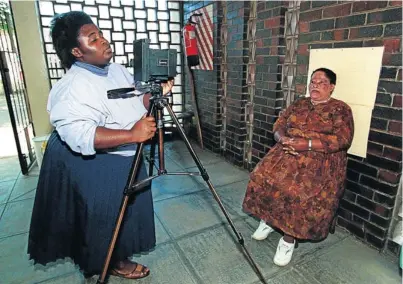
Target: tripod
x=157 y=103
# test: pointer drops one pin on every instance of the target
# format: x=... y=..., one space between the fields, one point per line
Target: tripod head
x=155 y=88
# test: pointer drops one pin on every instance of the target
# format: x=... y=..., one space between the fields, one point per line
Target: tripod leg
x=161 y=156
x=152 y=157
x=132 y=177
x=123 y=206
x=152 y=150
x=213 y=191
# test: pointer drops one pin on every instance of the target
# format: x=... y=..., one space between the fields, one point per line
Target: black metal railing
x=14 y=89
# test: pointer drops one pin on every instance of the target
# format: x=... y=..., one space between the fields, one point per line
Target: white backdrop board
x=357 y=71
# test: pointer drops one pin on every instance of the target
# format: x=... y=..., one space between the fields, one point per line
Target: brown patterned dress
x=300 y=194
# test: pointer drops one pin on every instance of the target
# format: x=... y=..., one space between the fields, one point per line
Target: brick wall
x=366 y=209
x=207 y=83
x=269 y=58
x=372 y=183
x=270 y=52
x=237 y=57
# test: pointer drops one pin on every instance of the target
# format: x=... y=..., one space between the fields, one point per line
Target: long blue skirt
x=76 y=205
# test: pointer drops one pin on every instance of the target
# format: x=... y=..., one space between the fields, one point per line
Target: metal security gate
x=291 y=34
x=14 y=88
x=122 y=22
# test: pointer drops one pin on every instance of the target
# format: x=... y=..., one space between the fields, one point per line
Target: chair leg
x=332 y=227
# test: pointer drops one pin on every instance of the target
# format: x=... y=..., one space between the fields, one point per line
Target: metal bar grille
x=251 y=82
x=122 y=22
x=290 y=61
x=14 y=88
x=224 y=75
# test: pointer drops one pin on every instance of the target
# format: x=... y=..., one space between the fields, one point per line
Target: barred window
x=122 y=22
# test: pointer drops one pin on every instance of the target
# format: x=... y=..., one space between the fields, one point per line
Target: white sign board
x=357 y=71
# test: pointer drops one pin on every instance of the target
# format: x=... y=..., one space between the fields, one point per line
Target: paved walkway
x=7 y=145
x=195 y=244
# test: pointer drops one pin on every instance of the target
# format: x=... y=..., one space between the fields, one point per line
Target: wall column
x=33 y=62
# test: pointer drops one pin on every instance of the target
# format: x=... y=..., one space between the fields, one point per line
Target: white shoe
x=262 y=231
x=284 y=253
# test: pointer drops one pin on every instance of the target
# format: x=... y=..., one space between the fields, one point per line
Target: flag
x=204 y=35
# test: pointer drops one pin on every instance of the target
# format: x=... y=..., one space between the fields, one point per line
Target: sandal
x=139 y=271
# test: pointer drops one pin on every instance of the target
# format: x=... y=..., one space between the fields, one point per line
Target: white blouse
x=78 y=104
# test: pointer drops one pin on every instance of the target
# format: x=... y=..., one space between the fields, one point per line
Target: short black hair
x=64 y=30
x=329 y=74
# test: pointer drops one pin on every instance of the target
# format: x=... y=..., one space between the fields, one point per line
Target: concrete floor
x=8 y=147
x=195 y=243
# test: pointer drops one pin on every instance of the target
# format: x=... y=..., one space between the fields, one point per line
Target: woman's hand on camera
x=167 y=87
x=144 y=129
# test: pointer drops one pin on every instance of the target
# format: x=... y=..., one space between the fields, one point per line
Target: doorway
x=16 y=130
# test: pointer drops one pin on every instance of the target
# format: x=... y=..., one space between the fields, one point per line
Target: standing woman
x=296 y=187
x=88 y=158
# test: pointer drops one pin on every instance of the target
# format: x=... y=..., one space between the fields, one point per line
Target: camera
x=150 y=66
x=153 y=64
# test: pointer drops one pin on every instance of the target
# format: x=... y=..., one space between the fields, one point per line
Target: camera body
x=153 y=64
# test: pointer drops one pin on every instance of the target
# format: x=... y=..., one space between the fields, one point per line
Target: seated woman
x=88 y=158
x=296 y=187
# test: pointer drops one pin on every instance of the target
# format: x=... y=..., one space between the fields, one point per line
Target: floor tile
x=178 y=146
x=21 y=272
x=13 y=247
x=189 y=213
x=217 y=258
x=9 y=168
x=16 y=218
x=70 y=278
x=23 y=186
x=2 y=207
x=291 y=276
x=233 y=195
x=166 y=266
x=170 y=165
x=169 y=146
x=185 y=159
x=27 y=195
x=5 y=190
x=8 y=145
x=14 y=259
x=34 y=171
x=350 y=261
x=16 y=267
x=52 y=271
x=164 y=187
x=223 y=173
x=161 y=234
